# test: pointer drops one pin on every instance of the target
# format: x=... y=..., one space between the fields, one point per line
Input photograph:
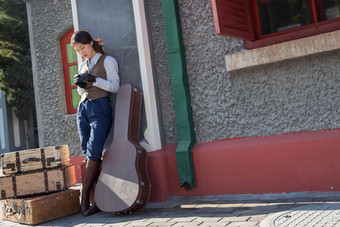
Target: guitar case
x=123 y=185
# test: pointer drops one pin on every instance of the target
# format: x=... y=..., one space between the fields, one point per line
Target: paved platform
x=223 y=210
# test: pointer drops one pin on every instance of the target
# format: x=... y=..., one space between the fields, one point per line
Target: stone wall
x=48 y=22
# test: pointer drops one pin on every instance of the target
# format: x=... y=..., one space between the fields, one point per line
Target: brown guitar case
x=123 y=185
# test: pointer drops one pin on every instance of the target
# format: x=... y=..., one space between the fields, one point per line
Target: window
x=266 y=22
x=70 y=67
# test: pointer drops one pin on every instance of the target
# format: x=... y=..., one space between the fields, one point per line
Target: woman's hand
x=79 y=82
x=86 y=77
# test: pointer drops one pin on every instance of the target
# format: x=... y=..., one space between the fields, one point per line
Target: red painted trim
x=307 y=161
x=317 y=27
x=65 y=39
x=77 y=162
x=272 y=164
x=159 y=173
x=256 y=19
x=295 y=33
x=315 y=12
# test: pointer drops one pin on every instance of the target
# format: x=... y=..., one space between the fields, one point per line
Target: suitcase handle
x=31 y=160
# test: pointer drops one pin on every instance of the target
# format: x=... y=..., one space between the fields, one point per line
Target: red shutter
x=233 y=18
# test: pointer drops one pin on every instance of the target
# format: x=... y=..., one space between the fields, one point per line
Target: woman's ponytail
x=98 y=46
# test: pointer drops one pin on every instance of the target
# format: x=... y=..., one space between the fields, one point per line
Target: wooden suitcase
x=35 y=159
x=38 y=209
x=37 y=182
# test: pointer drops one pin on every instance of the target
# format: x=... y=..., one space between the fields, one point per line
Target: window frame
x=64 y=40
x=254 y=38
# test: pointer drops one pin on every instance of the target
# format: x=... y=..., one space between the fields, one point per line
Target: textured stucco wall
x=289 y=96
x=48 y=22
x=162 y=71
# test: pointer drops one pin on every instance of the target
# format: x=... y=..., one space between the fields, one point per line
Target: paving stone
x=189 y=205
x=248 y=212
x=114 y=224
x=194 y=223
x=255 y=204
x=170 y=223
x=136 y=225
x=223 y=211
x=159 y=219
x=308 y=199
x=207 y=205
x=230 y=205
x=140 y=223
x=183 y=219
x=235 y=219
x=242 y=224
x=282 y=203
x=206 y=219
x=96 y=224
x=257 y=217
x=212 y=224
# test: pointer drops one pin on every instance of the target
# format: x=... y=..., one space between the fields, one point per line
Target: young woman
x=98 y=76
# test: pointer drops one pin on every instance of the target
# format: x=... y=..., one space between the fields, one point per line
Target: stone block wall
x=48 y=22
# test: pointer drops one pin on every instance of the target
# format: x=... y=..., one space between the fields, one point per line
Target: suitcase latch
x=3 y=194
x=52 y=159
x=10 y=166
x=49 y=160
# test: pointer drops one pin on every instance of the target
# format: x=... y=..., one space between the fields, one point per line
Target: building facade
x=4 y=144
x=13 y=131
x=265 y=116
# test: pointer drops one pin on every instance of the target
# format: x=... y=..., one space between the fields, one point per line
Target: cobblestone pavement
x=223 y=210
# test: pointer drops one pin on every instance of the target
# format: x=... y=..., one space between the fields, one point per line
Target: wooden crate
x=38 y=209
x=35 y=159
x=37 y=182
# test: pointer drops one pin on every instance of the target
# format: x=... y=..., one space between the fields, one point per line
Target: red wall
x=308 y=161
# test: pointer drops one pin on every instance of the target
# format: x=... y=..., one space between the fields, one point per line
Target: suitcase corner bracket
x=58 y=185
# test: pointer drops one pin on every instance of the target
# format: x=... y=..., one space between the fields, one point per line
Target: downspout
x=181 y=94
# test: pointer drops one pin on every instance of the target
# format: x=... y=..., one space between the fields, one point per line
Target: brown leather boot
x=93 y=208
x=92 y=171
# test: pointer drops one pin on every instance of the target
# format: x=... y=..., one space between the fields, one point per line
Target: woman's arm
x=81 y=91
x=111 y=84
